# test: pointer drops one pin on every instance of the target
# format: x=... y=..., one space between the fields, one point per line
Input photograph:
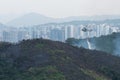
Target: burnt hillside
x=41 y=59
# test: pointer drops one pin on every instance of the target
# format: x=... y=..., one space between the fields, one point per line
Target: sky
x=60 y=8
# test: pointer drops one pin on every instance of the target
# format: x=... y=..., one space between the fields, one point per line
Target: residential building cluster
x=56 y=32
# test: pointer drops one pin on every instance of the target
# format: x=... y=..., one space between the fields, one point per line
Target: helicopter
x=86 y=29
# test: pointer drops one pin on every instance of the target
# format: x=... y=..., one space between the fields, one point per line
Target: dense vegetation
x=40 y=59
x=108 y=43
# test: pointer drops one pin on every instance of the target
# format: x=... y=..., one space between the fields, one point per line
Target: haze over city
x=60 y=8
x=59 y=39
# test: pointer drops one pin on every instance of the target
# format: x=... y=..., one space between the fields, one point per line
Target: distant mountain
x=37 y=19
x=91 y=18
x=40 y=59
x=30 y=19
x=2 y=26
x=7 y=17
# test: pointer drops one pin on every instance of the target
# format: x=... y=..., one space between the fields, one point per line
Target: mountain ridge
x=41 y=59
x=29 y=19
x=37 y=19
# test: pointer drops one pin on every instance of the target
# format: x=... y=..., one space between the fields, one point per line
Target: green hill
x=40 y=59
x=107 y=43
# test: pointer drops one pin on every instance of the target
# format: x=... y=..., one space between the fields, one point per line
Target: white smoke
x=109 y=44
x=117 y=45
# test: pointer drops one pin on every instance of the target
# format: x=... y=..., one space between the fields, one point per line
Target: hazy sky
x=61 y=8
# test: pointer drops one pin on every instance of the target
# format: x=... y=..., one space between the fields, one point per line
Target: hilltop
x=40 y=59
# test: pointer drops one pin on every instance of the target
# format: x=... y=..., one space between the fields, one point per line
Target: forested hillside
x=108 y=43
x=41 y=59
